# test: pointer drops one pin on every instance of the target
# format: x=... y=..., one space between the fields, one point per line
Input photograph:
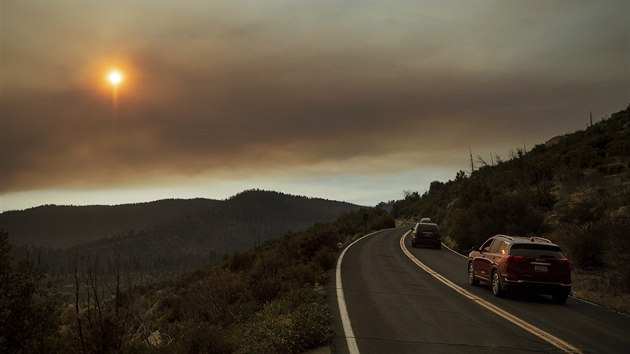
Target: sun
x=115 y=77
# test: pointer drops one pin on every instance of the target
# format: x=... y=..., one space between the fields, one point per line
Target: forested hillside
x=266 y=300
x=65 y=226
x=575 y=189
x=162 y=235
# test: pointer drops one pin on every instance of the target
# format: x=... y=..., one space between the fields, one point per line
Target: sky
x=348 y=100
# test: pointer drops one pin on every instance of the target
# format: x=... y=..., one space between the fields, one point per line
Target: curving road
x=394 y=306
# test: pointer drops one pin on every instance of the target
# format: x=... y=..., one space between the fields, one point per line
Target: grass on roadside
x=595 y=286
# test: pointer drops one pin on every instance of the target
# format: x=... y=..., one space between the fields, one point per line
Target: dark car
x=426 y=234
x=523 y=264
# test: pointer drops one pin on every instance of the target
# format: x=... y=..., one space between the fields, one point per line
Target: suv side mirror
x=474 y=248
x=411 y=229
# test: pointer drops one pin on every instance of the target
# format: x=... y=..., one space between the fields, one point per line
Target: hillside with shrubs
x=574 y=189
x=269 y=299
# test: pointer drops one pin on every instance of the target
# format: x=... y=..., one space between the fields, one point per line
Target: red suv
x=530 y=264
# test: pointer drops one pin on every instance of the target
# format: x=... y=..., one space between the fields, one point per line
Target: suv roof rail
x=540 y=239
x=505 y=236
x=531 y=238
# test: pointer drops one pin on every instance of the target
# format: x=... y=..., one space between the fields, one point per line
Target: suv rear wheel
x=471 y=275
x=560 y=298
x=497 y=289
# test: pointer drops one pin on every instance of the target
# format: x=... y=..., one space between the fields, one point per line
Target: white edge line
x=341 y=301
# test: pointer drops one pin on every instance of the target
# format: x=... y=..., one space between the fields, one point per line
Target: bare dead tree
x=76 y=306
x=472 y=165
x=89 y=304
x=120 y=305
x=117 y=292
x=102 y=303
x=93 y=285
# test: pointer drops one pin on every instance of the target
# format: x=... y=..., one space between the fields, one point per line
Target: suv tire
x=497 y=288
x=471 y=275
x=560 y=298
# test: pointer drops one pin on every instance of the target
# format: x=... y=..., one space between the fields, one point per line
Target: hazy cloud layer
x=233 y=90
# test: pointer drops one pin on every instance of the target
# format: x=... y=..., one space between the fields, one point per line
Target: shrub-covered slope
x=266 y=300
x=575 y=189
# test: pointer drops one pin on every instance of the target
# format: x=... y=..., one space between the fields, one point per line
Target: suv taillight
x=514 y=259
x=566 y=263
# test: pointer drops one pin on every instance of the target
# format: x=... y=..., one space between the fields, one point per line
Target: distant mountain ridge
x=64 y=226
x=171 y=229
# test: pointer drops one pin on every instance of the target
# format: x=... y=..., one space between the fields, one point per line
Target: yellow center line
x=547 y=337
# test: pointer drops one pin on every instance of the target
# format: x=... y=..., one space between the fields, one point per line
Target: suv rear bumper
x=536 y=286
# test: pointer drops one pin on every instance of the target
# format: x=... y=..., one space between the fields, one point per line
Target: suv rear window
x=536 y=250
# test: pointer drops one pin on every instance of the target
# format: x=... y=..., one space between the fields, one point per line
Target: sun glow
x=115 y=77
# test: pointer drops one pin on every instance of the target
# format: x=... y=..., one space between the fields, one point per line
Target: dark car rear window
x=428 y=228
x=536 y=250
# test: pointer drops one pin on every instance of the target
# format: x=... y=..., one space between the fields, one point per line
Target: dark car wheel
x=560 y=298
x=471 y=275
x=497 y=289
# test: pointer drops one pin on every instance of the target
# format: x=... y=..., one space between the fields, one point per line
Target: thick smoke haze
x=308 y=95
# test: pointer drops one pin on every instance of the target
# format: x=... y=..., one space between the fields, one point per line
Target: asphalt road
x=394 y=306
